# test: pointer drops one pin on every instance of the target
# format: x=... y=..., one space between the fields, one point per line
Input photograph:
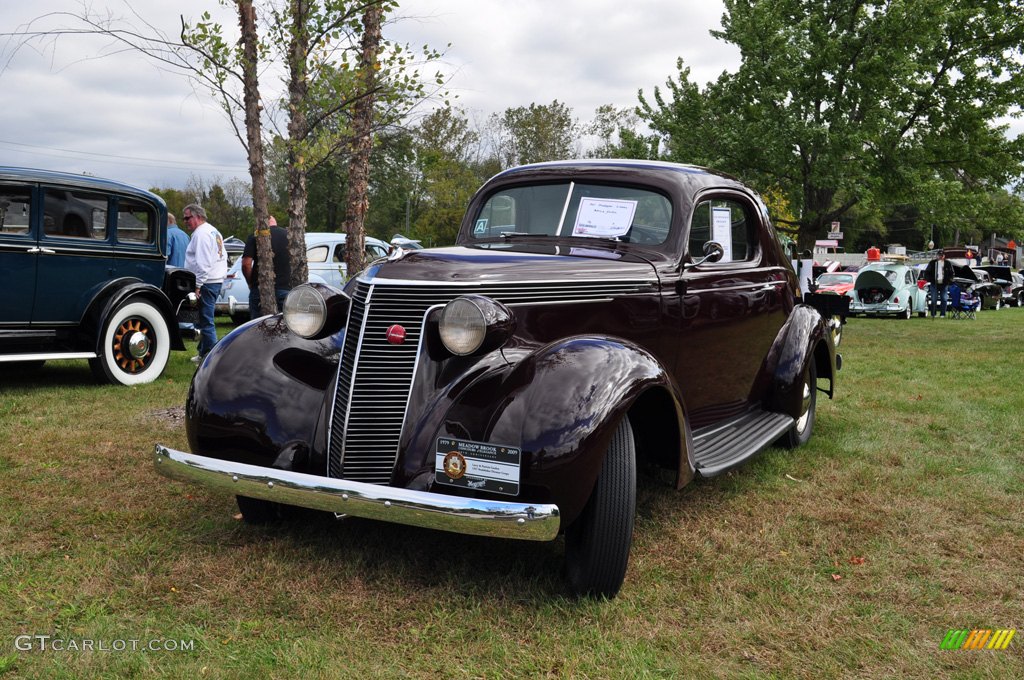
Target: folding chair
x=963 y=304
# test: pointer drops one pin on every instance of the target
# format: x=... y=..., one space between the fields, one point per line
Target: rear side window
x=317 y=254
x=15 y=210
x=136 y=222
x=729 y=223
x=75 y=214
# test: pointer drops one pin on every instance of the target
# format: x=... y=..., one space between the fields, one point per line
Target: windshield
x=833 y=279
x=621 y=213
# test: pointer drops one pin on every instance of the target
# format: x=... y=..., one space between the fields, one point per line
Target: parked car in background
x=402 y=242
x=325 y=258
x=594 y=318
x=1011 y=282
x=82 y=269
x=234 y=247
x=835 y=282
x=990 y=292
x=887 y=289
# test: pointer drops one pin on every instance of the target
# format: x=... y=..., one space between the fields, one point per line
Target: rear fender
x=802 y=339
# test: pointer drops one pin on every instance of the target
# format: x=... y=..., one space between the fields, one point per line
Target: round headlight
x=305 y=311
x=462 y=327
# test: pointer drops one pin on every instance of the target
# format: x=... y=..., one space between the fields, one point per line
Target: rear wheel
x=134 y=345
x=598 y=542
x=800 y=432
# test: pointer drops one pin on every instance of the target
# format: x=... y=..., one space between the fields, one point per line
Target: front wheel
x=800 y=432
x=598 y=542
x=134 y=345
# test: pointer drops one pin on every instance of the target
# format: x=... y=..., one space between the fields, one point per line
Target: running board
x=725 y=445
x=46 y=356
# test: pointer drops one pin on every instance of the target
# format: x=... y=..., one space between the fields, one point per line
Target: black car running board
x=725 y=445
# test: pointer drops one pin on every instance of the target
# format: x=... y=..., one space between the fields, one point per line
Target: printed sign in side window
x=721 y=231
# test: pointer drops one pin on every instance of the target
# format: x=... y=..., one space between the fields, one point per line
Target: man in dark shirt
x=282 y=269
x=939 y=274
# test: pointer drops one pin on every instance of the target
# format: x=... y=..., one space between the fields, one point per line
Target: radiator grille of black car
x=375 y=376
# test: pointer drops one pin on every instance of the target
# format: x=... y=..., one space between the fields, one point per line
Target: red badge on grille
x=396 y=334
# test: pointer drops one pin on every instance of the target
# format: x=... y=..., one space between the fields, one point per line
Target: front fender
x=803 y=338
x=259 y=396
x=560 y=404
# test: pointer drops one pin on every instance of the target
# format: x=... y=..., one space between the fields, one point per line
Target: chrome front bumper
x=500 y=519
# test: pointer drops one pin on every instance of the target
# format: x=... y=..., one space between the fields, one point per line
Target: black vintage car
x=1011 y=283
x=594 y=317
x=82 y=269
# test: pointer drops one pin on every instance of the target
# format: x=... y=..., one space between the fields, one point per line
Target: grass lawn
x=853 y=556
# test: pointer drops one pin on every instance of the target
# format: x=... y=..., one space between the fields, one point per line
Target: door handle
x=44 y=251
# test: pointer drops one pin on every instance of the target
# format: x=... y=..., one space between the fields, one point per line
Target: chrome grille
x=375 y=377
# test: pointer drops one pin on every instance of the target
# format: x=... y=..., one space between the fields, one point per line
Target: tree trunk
x=362 y=143
x=254 y=143
x=298 y=130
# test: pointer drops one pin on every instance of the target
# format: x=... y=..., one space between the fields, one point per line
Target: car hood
x=519 y=263
x=873 y=279
x=838 y=288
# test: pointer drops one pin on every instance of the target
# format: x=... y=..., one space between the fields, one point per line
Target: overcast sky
x=80 y=106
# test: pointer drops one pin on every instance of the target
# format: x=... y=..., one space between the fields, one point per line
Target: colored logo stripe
x=978 y=639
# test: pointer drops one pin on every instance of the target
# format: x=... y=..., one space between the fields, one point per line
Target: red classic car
x=594 y=318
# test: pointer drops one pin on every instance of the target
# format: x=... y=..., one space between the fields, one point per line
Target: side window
x=339 y=253
x=726 y=221
x=374 y=251
x=77 y=214
x=317 y=254
x=908 y=278
x=135 y=222
x=15 y=210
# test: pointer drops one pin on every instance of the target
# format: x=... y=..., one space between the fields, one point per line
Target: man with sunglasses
x=207 y=259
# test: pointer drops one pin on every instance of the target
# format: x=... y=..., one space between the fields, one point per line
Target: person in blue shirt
x=177 y=243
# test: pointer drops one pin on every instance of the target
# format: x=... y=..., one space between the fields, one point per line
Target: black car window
x=77 y=214
x=15 y=210
x=625 y=213
x=726 y=221
x=135 y=222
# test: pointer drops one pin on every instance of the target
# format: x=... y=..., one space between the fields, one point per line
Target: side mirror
x=713 y=252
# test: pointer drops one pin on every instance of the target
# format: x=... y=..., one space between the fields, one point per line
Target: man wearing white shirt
x=207 y=259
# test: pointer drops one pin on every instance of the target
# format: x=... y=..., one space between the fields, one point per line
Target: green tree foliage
x=845 y=102
x=535 y=133
x=449 y=170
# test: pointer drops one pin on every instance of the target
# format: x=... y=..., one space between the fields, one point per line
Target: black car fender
x=802 y=339
x=259 y=396
x=560 y=405
x=115 y=293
